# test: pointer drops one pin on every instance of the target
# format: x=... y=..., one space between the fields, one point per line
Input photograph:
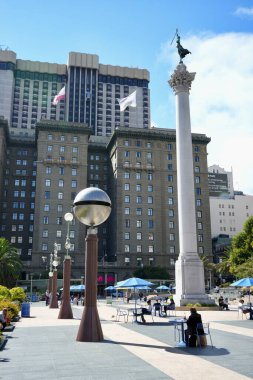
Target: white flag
x=130 y=100
x=59 y=96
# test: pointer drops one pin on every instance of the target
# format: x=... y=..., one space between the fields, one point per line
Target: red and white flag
x=59 y=96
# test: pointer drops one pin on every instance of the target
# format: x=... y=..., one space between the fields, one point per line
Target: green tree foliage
x=241 y=252
x=149 y=272
x=10 y=263
x=4 y=293
x=17 y=294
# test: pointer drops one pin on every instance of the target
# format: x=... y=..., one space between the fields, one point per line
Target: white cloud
x=241 y=11
x=221 y=98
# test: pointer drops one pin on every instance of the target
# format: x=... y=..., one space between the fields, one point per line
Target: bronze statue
x=181 y=51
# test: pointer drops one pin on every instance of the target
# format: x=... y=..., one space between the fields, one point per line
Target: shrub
x=17 y=294
x=13 y=309
x=4 y=293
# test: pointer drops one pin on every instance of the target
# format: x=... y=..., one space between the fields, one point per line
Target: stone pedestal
x=65 y=309
x=90 y=328
x=190 y=284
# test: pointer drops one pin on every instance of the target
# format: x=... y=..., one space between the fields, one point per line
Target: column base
x=65 y=311
x=190 y=284
x=90 y=328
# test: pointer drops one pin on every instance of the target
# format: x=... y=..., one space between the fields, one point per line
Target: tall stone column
x=190 y=285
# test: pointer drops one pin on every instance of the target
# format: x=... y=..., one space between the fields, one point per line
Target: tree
x=241 y=252
x=10 y=263
x=150 y=272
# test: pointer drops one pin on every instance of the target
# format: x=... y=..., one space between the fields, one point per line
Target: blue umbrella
x=110 y=288
x=133 y=282
x=77 y=288
x=247 y=281
x=162 y=287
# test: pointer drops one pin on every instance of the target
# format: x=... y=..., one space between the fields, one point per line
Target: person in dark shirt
x=192 y=322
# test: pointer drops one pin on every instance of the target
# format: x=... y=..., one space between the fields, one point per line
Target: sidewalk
x=44 y=347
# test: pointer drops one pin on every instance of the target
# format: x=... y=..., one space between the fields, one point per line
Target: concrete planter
x=199 y=308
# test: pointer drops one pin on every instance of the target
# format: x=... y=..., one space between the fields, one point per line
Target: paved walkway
x=44 y=347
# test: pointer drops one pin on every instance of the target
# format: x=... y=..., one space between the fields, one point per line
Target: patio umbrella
x=247 y=281
x=110 y=288
x=77 y=288
x=133 y=282
x=162 y=287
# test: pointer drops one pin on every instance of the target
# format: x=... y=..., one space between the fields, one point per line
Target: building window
x=171 y=224
x=138 y=211
x=45 y=233
x=200 y=238
x=60 y=195
x=47 y=182
x=73 y=183
x=170 y=201
x=199 y=214
x=150 y=223
x=126 y=143
x=127 y=186
x=150 y=236
x=127 y=210
x=150 y=199
x=59 y=208
x=138 y=199
x=49 y=148
x=170 y=189
x=172 y=236
x=47 y=195
x=127 y=223
x=44 y=247
x=150 y=188
x=150 y=212
x=150 y=176
x=127 y=175
x=171 y=213
x=127 y=235
x=199 y=226
x=58 y=234
x=198 y=202
x=48 y=170
x=138 y=187
x=197 y=179
x=127 y=248
x=126 y=153
x=61 y=170
x=73 y=171
x=138 y=249
x=197 y=169
x=150 y=249
x=127 y=198
x=138 y=175
x=138 y=223
x=62 y=149
x=172 y=249
x=198 y=191
x=46 y=207
x=201 y=250
x=45 y=220
x=139 y=236
x=61 y=183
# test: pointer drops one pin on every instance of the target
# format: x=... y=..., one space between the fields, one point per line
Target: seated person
x=3 y=318
x=171 y=306
x=146 y=311
x=191 y=332
x=222 y=304
x=157 y=307
x=246 y=309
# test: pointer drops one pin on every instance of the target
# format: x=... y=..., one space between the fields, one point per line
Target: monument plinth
x=190 y=283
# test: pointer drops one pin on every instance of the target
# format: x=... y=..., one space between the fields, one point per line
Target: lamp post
x=50 y=274
x=54 y=298
x=92 y=207
x=31 y=290
x=66 y=310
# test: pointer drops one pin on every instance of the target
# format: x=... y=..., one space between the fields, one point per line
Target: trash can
x=25 y=309
x=34 y=298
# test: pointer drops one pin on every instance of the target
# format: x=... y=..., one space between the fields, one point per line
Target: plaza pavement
x=44 y=347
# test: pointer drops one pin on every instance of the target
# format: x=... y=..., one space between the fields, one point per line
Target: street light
x=55 y=263
x=50 y=274
x=92 y=207
x=66 y=310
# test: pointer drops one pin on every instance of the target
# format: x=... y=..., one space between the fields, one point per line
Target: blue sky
x=137 y=33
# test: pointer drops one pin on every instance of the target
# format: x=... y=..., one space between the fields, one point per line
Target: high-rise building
x=49 y=153
x=27 y=90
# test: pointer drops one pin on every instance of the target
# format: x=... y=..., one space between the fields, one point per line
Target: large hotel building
x=49 y=153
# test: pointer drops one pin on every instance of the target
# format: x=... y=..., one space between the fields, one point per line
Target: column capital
x=181 y=79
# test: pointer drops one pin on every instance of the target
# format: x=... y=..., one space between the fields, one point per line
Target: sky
x=138 y=33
